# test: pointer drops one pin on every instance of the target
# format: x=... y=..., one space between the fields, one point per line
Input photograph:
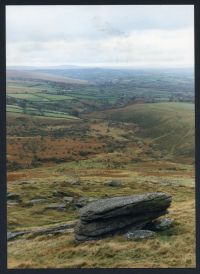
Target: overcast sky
x=137 y=36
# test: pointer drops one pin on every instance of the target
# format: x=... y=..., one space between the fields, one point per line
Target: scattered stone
x=160 y=224
x=13 y=197
x=167 y=182
x=11 y=203
x=75 y=182
x=139 y=234
x=14 y=235
x=59 y=193
x=83 y=201
x=25 y=182
x=120 y=214
x=60 y=229
x=113 y=183
x=68 y=200
x=37 y=201
x=56 y=207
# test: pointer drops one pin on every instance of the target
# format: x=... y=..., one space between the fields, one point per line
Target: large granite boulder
x=120 y=214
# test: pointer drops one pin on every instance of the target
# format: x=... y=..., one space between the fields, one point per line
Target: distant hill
x=28 y=74
x=42 y=67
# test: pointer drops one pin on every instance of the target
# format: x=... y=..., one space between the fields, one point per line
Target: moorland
x=72 y=130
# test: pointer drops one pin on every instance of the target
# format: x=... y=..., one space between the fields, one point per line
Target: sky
x=150 y=36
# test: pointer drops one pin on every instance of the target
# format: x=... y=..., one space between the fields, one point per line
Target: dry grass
x=173 y=248
x=23 y=149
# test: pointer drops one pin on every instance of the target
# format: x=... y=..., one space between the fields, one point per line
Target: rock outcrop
x=54 y=230
x=120 y=214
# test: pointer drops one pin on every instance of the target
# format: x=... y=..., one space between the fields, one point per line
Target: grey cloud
x=30 y=23
x=99 y=34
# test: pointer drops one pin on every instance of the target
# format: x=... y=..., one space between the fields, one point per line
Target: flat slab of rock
x=14 y=235
x=54 y=230
x=56 y=207
x=125 y=205
x=37 y=201
x=120 y=214
x=139 y=234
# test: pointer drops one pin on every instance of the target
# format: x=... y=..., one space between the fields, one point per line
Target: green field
x=53 y=97
x=27 y=96
x=35 y=112
x=19 y=86
x=39 y=97
x=12 y=108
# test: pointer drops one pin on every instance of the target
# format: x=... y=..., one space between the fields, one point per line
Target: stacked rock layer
x=118 y=215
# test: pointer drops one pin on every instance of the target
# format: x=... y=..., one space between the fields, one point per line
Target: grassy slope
x=26 y=86
x=169 y=125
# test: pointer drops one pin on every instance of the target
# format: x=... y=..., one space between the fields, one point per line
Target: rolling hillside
x=170 y=126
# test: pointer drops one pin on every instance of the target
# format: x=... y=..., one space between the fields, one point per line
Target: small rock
x=13 y=197
x=25 y=182
x=13 y=235
x=160 y=224
x=75 y=182
x=139 y=234
x=59 y=193
x=37 y=201
x=81 y=202
x=12 y=203
x=113 y=183
x=68 y=200
x=56 y=207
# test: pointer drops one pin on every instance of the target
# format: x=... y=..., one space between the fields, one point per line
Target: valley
x=72 y=131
